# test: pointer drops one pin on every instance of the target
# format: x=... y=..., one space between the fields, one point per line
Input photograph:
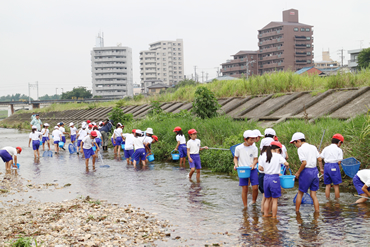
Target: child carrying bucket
x=139 y=148
x=269 y=163
x=332 y=155
x=45 y=136
x=73 y=130
x=246 y=155
x=265 y=144
x=129 y=146
x=35 y=138
x=81 y=135
x=117 y=138
x=57 y=137
x=361 y=181
x=181 y=146
x=87 y=145
x=193 y=148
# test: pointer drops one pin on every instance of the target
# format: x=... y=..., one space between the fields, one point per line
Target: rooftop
x=158 y=85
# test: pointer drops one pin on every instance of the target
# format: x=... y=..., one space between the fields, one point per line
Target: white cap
x=119 y=124
x=100 y=123
x=266 y=142
x=249 y=133
x=56 y=127
x=46 y=124
x=270 y=131
x=138 y=132
x=257 y=132
x=71 y=124
x=297 y=136
x=34 y=127
x=149 y=131
x=84 y=125
x=93 y=123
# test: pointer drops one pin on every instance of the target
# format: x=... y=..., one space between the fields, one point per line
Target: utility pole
x=202 y=76
x=217 y=71
x=29 y=93
x=247 y=62
x=37 y=85
x=195 y=73
x=361 y=42
x=341 y=55
x=62 y=90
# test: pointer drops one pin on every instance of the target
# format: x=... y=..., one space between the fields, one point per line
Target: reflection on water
x=207 y=212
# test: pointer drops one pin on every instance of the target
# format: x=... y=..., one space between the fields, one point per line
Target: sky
x=50 y=41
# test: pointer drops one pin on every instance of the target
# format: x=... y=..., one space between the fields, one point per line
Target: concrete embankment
x=269 y=109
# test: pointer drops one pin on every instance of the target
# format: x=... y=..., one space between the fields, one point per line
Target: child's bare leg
x=327 y=190
x=254 y=193
x=245 y=195
x=263 y=202
x=362 y=200
x=94 y=158
x=87 y=163
x=38 y=153
x=298 y=201
x=198 y=175
x=266 y=207
x=192 y=170
x=336 y=191
x=315 y=200
x=43 y=146
x=49 y=145
x=34 y=153
x=274 y=207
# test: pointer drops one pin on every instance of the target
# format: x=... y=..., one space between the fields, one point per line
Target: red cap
x=93 y=134
x=90 y=125
x=134 y=131
x=88 y=121
x=19 y=148
x=275 y=138
x=155 y=137
x=177 y=129
x=339 y=137
x=275 y=143
x=192 y=131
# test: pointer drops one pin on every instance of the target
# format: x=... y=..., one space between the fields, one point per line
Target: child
x=89 y=129
x=117 y=138
x=87 y=144
x=63 y=131
x=139 y=148
x=35 y=138
x=307 y=174
x=98 y=138
x=269 y=133
x=148 y=140
x=81 y=135
x=129 y=146
x=265 y=143
x=45 y=136
x=259 y=135
x=73 y=130
x=270 y=163
x=181 y=146
x=246 y=155
x=57 y=136
x=193 y=148
x=8 y=154
x=361 y=181
x=332 y=156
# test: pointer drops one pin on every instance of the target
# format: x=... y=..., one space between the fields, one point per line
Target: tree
x=79 y=92
x=51 y=97
x=205 y=104
x=364 y=59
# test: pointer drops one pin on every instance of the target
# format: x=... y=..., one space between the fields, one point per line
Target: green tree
x=77 y=92
x=50 y=97
x=118 y=116
x=205 y=104
x=364 y=59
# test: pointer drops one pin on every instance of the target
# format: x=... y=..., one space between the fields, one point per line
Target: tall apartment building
x=163 y=63
x=111 y=69
x=243 y=63
x=286 y=45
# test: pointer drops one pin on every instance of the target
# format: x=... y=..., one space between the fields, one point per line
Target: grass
x=23 y=242
x=3 y=114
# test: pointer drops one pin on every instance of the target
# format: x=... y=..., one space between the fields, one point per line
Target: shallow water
x=202 y=213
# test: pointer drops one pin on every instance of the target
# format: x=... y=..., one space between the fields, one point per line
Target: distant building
x=163 y=61
x=111 y=69
x=327 y=63
x=353 y=62
x=156 y=88
x=137 y=89
x=243 y=63
x=310 y=71
x=222 y=78
x=286 y=45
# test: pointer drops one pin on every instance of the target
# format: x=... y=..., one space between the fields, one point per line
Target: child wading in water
x=246 y=154
x=35 y=138
x=261 y=176
x=57 y=137
x=117 y=138
x=361 y=181
x=181 y=146
x=307 y=175
x=139 y=148
x=332 y=156
x=87 y=145
x=45 y=136
x=73 y=130
x=193 y=146
x=270 y=163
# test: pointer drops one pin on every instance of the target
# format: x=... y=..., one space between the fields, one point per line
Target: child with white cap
x=307 y=175
x=269 y=133
x=45 y=136
x=246 y=155
x=35 y=138
x=361 y=181
x=73 y=130
x=57 y=136
x=117 y=138
x=148 y=141
x=193 y=148
x=259 y=135
x=261 y=175
x=139 y=148
x=129 y=145
x=8 y=154
x=80 y=136
x=63 y=131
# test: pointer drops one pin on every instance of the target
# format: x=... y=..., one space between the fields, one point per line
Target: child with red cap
x=193 y=148
x=87 y=144
x=332 y=156
x=181 y=145
x=7 y=154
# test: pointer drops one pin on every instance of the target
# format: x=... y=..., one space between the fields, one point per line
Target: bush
x=117 y=116
x=155 y=108
x=205 y=104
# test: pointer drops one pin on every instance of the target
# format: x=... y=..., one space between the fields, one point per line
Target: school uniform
x=361 y=178
x=98 y=138
x=309 y=177
x=81 y=135
x=117 y=136
x=56 y=136
x=182 y=147
x=270 y=139
x=73 y=134
x=35 y=137
x=246 y=155
x=7 y=153
x=194 y=147
x=147 y=140
x=332 y=154
x=129 y=145
x=139 y=149
x=45 y=136
x=271 y=182
x=62 y=130
x=88 y=143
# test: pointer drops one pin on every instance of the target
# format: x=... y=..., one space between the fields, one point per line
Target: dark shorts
x=332 y=174
x=5 y=156
x=35 y=144
x=118 y=141
x=64 y=139
x=359 y=184
x=79 y=143
x=56 y=142
x=140 y=154
x=88 y=153
x=97 y=140
x=183 y=150
x=253 y=177
x=73 y=138
x=261 y=176
x=309 y=179
x=196 y=161
x=129 y=153
x=44 y=139
x=271 y=186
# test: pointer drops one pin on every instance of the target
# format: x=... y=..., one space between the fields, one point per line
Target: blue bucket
x=61 y=144
x=151 y=158
x=40 y=142
x=18 y=165
x=175 y=156
x=123 y=146
x=94 y=148
x=287 y=181
x=72 y=148
x=350 y=166
x=244 y=171
x=306 y=199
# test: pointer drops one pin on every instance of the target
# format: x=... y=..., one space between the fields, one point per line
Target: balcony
x=236 y=68
x=352 y=63
x=272 y=49
x=301 y=61
x=264 y=35
x=300 y=46
x=110 y=76
x=269 y=42
x=109 y=59
x=300 y=38
x=271 y=65
x=300 y=54
x=100 y=71
x=239 y=60
x=273 y=57
x=110 y=65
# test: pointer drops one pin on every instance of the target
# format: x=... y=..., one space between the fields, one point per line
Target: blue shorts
x=35 y=144
x=88 y=153
x=73 y=138
x=196 y=161
x=140 y=154
x=129 y=153
x=64 y=139
x=5 y=156
x=79 y=143
x=261 y=177
x=56 y=142
x=183 y=150
x=332 y=174
x=253 y=177
x=44 y=139
x=97 y=140
x=271 y=186
x=309 y=179
x=118 y=141
x=359 y=184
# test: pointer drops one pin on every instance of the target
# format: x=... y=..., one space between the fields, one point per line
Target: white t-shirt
x=56 y=135
x=82 y=134
x=88 y=131
x=35 y=136
x=117 y=132
x=137 y=142
x=268 y=138
x=181 y=139
x=98 y=133
x=62 y=130
x=364 y=176
x=129 y=141
x=194 y=146
x=332 y=154
x=274 y=166
x=12 y=151
x=88 y=142
x=73 y=130
x=46 y=131
x=246 y=154
x=147 y=139
x=283 y=151
x=308 y=153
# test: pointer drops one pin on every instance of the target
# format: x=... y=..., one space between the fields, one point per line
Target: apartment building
x=163 y=63
x=286 y=45
x=327 y=63
x=353 y=62
x=244 y=63
x=111 y=69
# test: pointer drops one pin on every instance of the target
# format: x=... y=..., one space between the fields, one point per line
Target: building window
x=158 y=64
x=164 y=48
x=164 y=69
x=164 y=59
x=174 y=63
x=164 y=43
x=179 y=49
x=179 y=63
x=295 y=29
x=308 y=53
x=308 y=45
x=164 y=64
x=174 y=44
x=179 y=43
x=179 y=67
x=302 y=29
x=179 y=53
x=308 y=61
x=307 y=29
x=308 y=38
x=158 y=69
x=159 y=73
x=174 y=49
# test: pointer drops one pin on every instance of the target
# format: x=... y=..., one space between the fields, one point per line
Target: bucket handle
x=285 y=170
x=174 y=151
